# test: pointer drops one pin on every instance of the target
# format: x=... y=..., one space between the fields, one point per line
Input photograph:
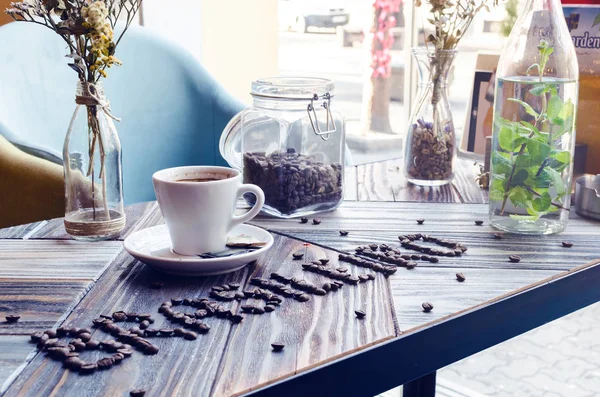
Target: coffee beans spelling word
x=12 y=318
x=460 y=277
x=292 y=180
x=567 y=244
x=277 y=347
x=514 y=258
x=427 y=307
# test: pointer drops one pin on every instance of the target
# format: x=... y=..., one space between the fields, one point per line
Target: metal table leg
x=421 y=387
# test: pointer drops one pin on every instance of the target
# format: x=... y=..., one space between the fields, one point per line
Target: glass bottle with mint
x=534 y=124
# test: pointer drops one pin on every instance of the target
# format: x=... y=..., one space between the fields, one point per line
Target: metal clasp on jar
x=313 y=118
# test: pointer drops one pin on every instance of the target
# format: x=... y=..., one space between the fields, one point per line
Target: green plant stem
x=551 y=203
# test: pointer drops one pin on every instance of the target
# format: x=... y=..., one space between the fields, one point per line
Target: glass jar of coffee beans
x=291 y=144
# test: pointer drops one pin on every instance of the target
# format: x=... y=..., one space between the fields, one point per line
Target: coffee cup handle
x=260 y=201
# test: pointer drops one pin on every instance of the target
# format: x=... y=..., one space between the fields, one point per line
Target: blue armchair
x=172 y=110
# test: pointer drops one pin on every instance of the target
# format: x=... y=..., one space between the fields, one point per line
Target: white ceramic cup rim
x=168 y=175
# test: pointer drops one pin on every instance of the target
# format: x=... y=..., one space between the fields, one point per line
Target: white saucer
x=153 y=247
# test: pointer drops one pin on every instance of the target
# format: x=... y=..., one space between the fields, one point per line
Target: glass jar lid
x=292 y=88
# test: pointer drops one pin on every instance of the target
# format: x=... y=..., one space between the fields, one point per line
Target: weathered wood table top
x=51 y=280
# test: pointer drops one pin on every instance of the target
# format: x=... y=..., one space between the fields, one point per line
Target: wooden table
x=50 y=280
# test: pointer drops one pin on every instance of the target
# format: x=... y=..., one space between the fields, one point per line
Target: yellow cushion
x=31 y=189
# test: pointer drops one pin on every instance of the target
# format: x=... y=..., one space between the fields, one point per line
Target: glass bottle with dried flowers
x=430 y=142
x=92 y=151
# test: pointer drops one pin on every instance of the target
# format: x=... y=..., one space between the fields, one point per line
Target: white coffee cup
x=200 y=214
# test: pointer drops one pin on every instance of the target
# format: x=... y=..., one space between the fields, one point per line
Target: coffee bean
x=92 y=345
x=190 y=335
x=51 y=333
x=204 y=328
x=247 y=308
x=258 y=310
x=150 y=332
x=460 y=277
x=304 y=220
x=360 y=313
x=178 y=331
x=12 y=318
x=479 y=223
x=342 y=269
x=234 y=285
x=126 y=352
x=157 y=285
x=36 y=336
x=73 y=363
x=343 y=232
x=302 y=298
x=88 y=368
x=131 y=316
x=79 y=345
x=324 y=261
x=316 y=221
x=151 y=350
x=105 y=363
x=297 y=255
x=117 y=357
x=176 y=301
x=411 y=265
x=85 y=336
x=514 y=258
x=137 y=393
x=433 y=259
x=119 y=316
x=269 y=308
x=420 y=221
x=363 y=278
x=144 y=324
x=62 y=331
x=320 y=292
x=277 y=347
x=59 y=353
x=165 y=331
x=427 y=307
x=236 y=318
x=567 y=244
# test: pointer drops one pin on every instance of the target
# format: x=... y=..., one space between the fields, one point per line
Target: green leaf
x=543 y=88
x=501 y=163
x=506 y=138
x=562 y=156
x=555 y=180
x=519 y=177
x=497 y=187
x=519 y=197
x=555 y=105
x=538 y=150
x=596 y=20
x=528 y=109
x=542 y=203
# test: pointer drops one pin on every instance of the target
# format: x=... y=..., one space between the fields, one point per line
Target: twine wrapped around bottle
x=90 y=98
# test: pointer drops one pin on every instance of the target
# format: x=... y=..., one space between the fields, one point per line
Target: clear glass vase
x=92 y=165
x=534 y=124
x=430 y=142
